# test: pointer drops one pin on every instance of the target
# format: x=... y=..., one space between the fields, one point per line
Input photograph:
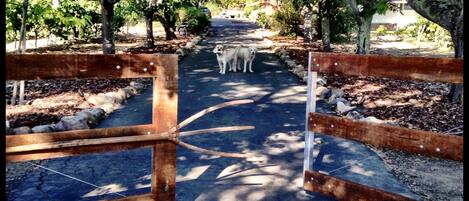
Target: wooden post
x=165 y=100
x=310 y=107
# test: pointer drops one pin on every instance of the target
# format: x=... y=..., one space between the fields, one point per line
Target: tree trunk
x=457 y=90
x=449 y=15
x=170 y=35
x=326 y=34
x=107 y=11
x=363 y=40
x=149 y=25
x=308 y=35
x=325 y=27
x=22 y=46
x=35 y=39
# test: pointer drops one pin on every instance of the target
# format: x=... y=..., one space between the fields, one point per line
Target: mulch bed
x=411 y=103
x=55 y=91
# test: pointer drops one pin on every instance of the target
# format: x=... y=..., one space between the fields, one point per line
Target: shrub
x=381 y=30
x=195 y=19
x=263 y=20
x=287 y=20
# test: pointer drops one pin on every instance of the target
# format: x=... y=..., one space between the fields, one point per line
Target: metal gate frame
x=380 y=135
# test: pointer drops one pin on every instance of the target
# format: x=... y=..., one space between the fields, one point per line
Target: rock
x=92 y=115
x=189 y=45
x=336 y=100
x=117 y=96
x=22 y=130
x=130 y=91
x=58 y=127
x=180 y=52
x=322 y=92
x=321 y=81
x=108 y=108
x=42 y=129
x=139 y=86
x=284 y=57
x=74 y=122
x=100 y=99
x=341 y=108
x=372 y=119
x=277 y=50
x=290 y=63
x=337 y=92
x=354 y=115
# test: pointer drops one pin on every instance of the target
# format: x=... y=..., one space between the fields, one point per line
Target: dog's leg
x=245 y=65
x=250 y=66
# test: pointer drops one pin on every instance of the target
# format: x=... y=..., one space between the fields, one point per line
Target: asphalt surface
x=278 y=114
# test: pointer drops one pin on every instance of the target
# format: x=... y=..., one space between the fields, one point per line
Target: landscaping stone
x=130 y=91
x=22 y=130
x=42 y=129
x=180 y=52
x=372 y=119
x=58 y=127
x=342 y=108
x=108 y=108
x=92 y=115
x=354 y=115
x=290 y=63
x=321 y=81
x=322 y=92
x=99 y=99
x=139 y=86
x=74 y=122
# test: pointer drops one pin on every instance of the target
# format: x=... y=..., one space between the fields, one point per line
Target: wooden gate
x=163 y=134
x=380 y=135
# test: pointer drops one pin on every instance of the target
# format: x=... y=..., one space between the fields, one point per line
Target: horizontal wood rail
x=81 y=66
x=346 y=190
x=419 y=68
x=382 y=135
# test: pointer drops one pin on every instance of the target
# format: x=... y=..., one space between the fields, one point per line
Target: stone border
x=104 y=103
x=334 y=97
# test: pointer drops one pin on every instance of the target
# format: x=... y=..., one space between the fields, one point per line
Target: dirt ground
x=412 y=104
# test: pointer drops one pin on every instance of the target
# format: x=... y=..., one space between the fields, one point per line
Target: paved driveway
x=278 y=115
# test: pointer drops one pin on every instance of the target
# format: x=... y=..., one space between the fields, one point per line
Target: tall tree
x=325 y=24
x=363 y=11
x=107 y=11
x=166 y=14
x=449 y=15
x=307 y=21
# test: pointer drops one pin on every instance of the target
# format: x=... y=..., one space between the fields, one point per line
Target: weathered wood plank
x=143 y=197
x=80 y=66
x=382 y=135
x=37 y=138
x=86 y=142
x=420 y=68
x=346 y=190
x=165 y=102
x=76 y=151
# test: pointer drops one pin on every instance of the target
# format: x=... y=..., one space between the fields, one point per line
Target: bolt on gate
x=163 y=134
x=380 y=135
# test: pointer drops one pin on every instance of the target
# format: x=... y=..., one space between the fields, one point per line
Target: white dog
x=247 y=54
x=225 y=57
